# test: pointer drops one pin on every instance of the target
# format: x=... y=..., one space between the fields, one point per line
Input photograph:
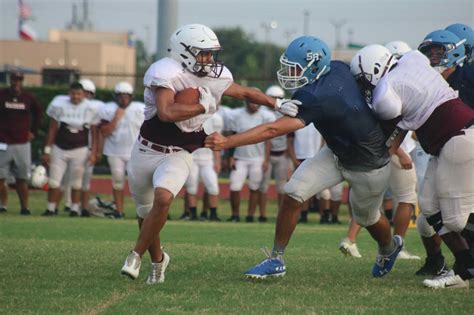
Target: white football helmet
x=370 y=64
x=39 y=177
x=188 y=41
x=398 y=47
x=123 y=88
x=87 y=85
x=275 y=91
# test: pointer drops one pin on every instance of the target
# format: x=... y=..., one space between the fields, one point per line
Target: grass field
x=72 y=265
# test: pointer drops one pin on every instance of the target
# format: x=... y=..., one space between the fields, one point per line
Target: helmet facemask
x=447 y=54
x=292 y=75
x=211 y=67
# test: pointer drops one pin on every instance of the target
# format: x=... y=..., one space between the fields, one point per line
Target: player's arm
x=405 y=159
x=260 y=133
x=94 y=145
x=108 y=127
x=291 y=150
x=266 y=161
x=284 y=106
x=52 y=132
x=170 y=111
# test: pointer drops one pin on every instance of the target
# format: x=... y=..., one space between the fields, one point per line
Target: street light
x=268 y=27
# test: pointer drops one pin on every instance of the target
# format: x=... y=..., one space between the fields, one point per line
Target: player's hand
x=92 y=159
x=119 y=113
x=215 y=141
x=405 y=161
x=207 y=100
x=45 y=159
x=287 y=107
x=296 y=163
x=31 y=136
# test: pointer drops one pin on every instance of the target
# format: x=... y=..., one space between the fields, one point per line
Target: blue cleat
x=384 y=263
x=270 y=267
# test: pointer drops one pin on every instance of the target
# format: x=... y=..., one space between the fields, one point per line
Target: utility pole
x=267 y=27
x=337 y=24
x=306 y=22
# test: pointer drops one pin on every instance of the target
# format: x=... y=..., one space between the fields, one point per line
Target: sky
x=362 y=21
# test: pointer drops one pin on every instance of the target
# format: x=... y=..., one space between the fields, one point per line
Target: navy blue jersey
x=462 y=80
x=336 y=106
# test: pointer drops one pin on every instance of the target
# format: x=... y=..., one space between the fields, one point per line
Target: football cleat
x=348 y=248
x=131 y=267
x=449 y=281
x=25 y=211
x=270 y=267
x=384 y=263
x=404 y=254
x=434 y=266
x=157 y=272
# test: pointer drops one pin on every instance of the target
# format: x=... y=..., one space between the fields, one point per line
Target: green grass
x=72 y=265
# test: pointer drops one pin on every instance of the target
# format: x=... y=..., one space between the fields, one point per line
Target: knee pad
x=52 y=183
x=118 y=183
x=325 y=194
x=436 y=221
x=142 y=210
x=423 y=227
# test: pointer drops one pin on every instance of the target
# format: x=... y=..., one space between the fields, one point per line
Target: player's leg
x=324 y=206
x=77 y=158
x=22 y=162
x=117 y=169
x=5 y=159
x=366 y=195
x=211 y=183
x=192 y=184
x=255 y=177
x=3 y=196
x=237 y=180
x=86 y=186
x=335 y=202
x=57 y=168
x=313 y=175
x=263 y=189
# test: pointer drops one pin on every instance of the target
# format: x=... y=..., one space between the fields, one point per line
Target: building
x=104 y=57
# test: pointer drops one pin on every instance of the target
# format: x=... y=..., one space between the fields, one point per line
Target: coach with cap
x=20 y=118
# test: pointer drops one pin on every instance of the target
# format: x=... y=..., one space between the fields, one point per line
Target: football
x=187 y=96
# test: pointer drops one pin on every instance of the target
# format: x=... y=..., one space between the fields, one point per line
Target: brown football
x=187 y=96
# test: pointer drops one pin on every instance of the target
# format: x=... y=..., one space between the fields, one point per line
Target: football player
x=444 y=49
x=357 y=153
x=120 y=124
x=411 y=95
x=67 y=145
x=161 y=158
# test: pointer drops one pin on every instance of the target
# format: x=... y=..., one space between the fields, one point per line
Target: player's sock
x=278 y=251
x=51 y=206
x=464 y=265
x=388 y=249
x=213 y=212
x=389 y=214
x=75 y=207
x=193 y=212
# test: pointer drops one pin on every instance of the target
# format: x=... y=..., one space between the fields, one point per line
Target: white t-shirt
x=76 y=116
x=169 y=73
x=413 y=89
x=213 y=124
x=307 y=142
x=121 y=141
x=226 y=113
x=242 y=120
x=278 y=143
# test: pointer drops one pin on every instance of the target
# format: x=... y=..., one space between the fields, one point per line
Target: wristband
x=47 y=150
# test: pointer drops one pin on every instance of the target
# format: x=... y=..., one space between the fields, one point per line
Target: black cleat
x=214 y=218
x=249 y=219
x=25 y=211
x=434 y=266
x=262 y=219
x=334 y=220
x=85 y=213
x=3 y=210
x=203 y=216
x=67 y=209
x=185 y=216
x=234 y=219
x=48 y=213
x=73 y=214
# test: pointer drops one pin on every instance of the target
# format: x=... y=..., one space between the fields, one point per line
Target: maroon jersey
x=445 y=122
x=19 y=114
x=168 y=134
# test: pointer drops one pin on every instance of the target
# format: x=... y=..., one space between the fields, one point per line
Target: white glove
x=287 y=107
x=207 y=100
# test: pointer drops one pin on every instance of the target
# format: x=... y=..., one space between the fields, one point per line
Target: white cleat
x=404 y=254
x=447 y=282
x=157 y=272
x=132 y=264
x=349 y=248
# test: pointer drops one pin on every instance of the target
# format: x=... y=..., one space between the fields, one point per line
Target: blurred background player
x=443 y=49
x=67 y=145
x=303 y=144
x=206 y=166
x=248 y=161
x=89 y=92
x=278 y=162
x=120 y=125
x=20 y=118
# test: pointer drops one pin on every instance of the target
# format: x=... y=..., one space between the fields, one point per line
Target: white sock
x=51 y=206
x=75 y=207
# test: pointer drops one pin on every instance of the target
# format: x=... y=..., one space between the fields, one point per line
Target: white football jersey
x=413 y=89
x=121 y=141
x=226 y=114
x=278 y=143
x=242 y=120
x=307 y=142
x=75 y=116
x=213 y=124
x=169 y=73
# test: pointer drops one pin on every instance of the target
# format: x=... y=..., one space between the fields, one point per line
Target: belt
x=159 y=147
x=277 y=153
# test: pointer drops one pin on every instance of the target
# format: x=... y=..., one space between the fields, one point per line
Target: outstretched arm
x=250 y=94
x=258 y=134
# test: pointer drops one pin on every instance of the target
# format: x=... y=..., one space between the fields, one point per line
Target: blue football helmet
x=451 y=49
x=306 y=59
x=463 y=31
